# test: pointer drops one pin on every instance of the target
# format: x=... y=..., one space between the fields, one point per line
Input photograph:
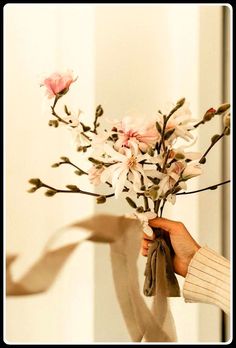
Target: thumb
x=165 y=224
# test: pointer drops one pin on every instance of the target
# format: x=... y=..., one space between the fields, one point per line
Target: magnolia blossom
x=191 y=171
x=143 y=218
x=171 y=177
x=181 y=121
x=135 y=134
x=58 y=83
x=94 y=174
x=121 y=166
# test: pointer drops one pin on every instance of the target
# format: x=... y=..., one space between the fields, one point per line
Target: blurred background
x=135 y=56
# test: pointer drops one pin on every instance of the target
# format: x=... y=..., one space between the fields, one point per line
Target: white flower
x=191 y=171
x=121 y=166
x=79 y=138
x=143 y=218
x=181 y=121
x=94 y=174
x=170 y=178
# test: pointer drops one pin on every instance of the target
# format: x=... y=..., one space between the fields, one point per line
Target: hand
x=182 y=242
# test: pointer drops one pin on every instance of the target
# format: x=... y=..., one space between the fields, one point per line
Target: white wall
x=127 y=57
x=45 y=38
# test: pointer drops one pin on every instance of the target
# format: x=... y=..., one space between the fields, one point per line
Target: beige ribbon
x=124 y=236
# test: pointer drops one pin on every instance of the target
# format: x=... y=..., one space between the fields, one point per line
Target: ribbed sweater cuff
x=208 y=279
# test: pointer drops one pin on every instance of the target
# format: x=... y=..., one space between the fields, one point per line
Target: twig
x=211 y=146
x=213 y=187
x=76 y=191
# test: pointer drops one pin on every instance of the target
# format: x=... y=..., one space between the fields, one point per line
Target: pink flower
x=141 y=136
x=58 y=84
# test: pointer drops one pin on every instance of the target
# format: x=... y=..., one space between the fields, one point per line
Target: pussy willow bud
x=55 y=165
x=65 y=159
x=150 y=151
x=226 y=120
x=35 y=181
x=169 y=133
x=32 y=189
x=140 y=210
x=180 y=102
x=227 y=131
x=131 y=202
x=93 y=160
x=209 y=114
x=78 y=172
x=158 y=127
x=215 y=138
x=101 y=199
x=99 y=111
x=50 y=193
x=179 y=156
x=73 y=188
x=202 y=160
x=222 y=108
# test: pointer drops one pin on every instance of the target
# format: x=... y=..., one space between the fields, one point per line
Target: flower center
x=132 y=162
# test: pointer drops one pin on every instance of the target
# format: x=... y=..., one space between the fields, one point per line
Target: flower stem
x=145 y=199
x=162 y=207
x=213 y=187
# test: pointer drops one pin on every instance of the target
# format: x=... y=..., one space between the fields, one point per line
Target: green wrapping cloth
x=159 y=272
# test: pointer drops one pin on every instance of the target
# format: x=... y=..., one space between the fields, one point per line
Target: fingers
x=167 y=225
x=145 y=245
x=152 y=237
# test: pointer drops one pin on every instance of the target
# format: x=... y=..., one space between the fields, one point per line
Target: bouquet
x=147 y=162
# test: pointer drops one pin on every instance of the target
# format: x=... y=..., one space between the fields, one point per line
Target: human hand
x=182 y=242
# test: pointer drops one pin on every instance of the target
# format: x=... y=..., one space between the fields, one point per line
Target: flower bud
x=35 y=181
x=55 y=165
x=140 y=210
x=227 y=131
x=50 y=193
x=131 y=202
x=93 y=160
x=73 y=188
x=101 y=199
x=32 y=189
x=150 y=151
x=202 y=160
x=169 y=133
x=215 y=138
x=180 y=102
x=65 y=159
x=158 y=127
x=226 y=120
x=99 y=111
x=179 y=156
x=209 y=114
x=222 y=108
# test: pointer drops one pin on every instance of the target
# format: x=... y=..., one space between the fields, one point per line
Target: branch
x=75 y=189
x=213 y=142
x=213 y=187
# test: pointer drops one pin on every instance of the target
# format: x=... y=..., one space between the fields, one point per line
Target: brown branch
x=213 y=187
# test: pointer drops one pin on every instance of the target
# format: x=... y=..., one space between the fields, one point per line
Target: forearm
x=208 y=279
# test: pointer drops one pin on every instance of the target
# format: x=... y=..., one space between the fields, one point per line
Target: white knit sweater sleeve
x=208 y=279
